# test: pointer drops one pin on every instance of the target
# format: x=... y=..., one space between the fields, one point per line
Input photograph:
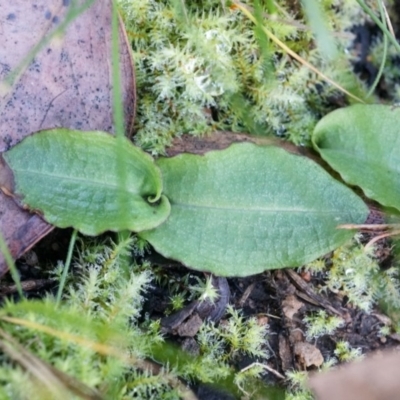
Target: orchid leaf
x=249 y=208
x=361 y=143
x=91 y=181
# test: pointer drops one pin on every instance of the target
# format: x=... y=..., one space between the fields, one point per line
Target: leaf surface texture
x=248 y=208
x=362 y=143
x=91 y=181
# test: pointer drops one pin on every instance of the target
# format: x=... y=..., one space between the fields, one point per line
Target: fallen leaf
x=290 y=306
x=191 y=326
x=285 y=353
x=67 y=83
x=308 y=355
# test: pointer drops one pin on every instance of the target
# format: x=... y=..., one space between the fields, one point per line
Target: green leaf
x=361 y=143
x=91 y=181
x=246 y=209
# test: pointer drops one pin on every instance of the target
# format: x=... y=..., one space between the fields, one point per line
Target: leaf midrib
x=253 y=209
x=78 y=180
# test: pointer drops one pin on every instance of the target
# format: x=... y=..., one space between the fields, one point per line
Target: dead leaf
x=290 y=306
x=67 y=83
x=285 y=353
x=190 y=327
x=308 y=355
x=374 y=378
x=220 y=140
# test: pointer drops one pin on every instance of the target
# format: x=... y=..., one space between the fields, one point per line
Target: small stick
x=377 y=238
x=304 y=287
x=246 y=294
x=367 y=227
x=265 y=366
x=32 y=284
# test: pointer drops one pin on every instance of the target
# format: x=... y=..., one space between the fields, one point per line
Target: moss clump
x=100 y=338
x=203 y=66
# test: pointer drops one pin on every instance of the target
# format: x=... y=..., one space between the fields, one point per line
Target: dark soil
x=273 y=298
x=280 y=299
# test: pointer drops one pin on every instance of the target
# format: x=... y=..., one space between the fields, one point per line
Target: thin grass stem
x=379 y=23
x=384 y=56
x=295 y=55
x=11 y=265
x=66 y=266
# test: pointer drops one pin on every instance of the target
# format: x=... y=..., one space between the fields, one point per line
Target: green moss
x=98 y=324
x=356 y=273
x=102 y=306
x=321 y=324
x=200 y=68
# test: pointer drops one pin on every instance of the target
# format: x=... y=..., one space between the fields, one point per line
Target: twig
x=367 y=227
x=31 y=284
x=246 y=294
x=303 y=286
x=379 y=237
x=388 y=21
x=265 y=366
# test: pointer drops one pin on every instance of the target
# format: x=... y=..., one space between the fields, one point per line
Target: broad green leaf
x=74 y=179
x=361 y=142
x=246 y=209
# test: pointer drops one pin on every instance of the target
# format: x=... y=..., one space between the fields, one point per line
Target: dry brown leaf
x=68 y=83
x=220 y=140
x=308 y=355
x=190 y=327
x=290 y=306
x=285 y=353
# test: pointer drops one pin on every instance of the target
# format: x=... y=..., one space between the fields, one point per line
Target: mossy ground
x=201 y=67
